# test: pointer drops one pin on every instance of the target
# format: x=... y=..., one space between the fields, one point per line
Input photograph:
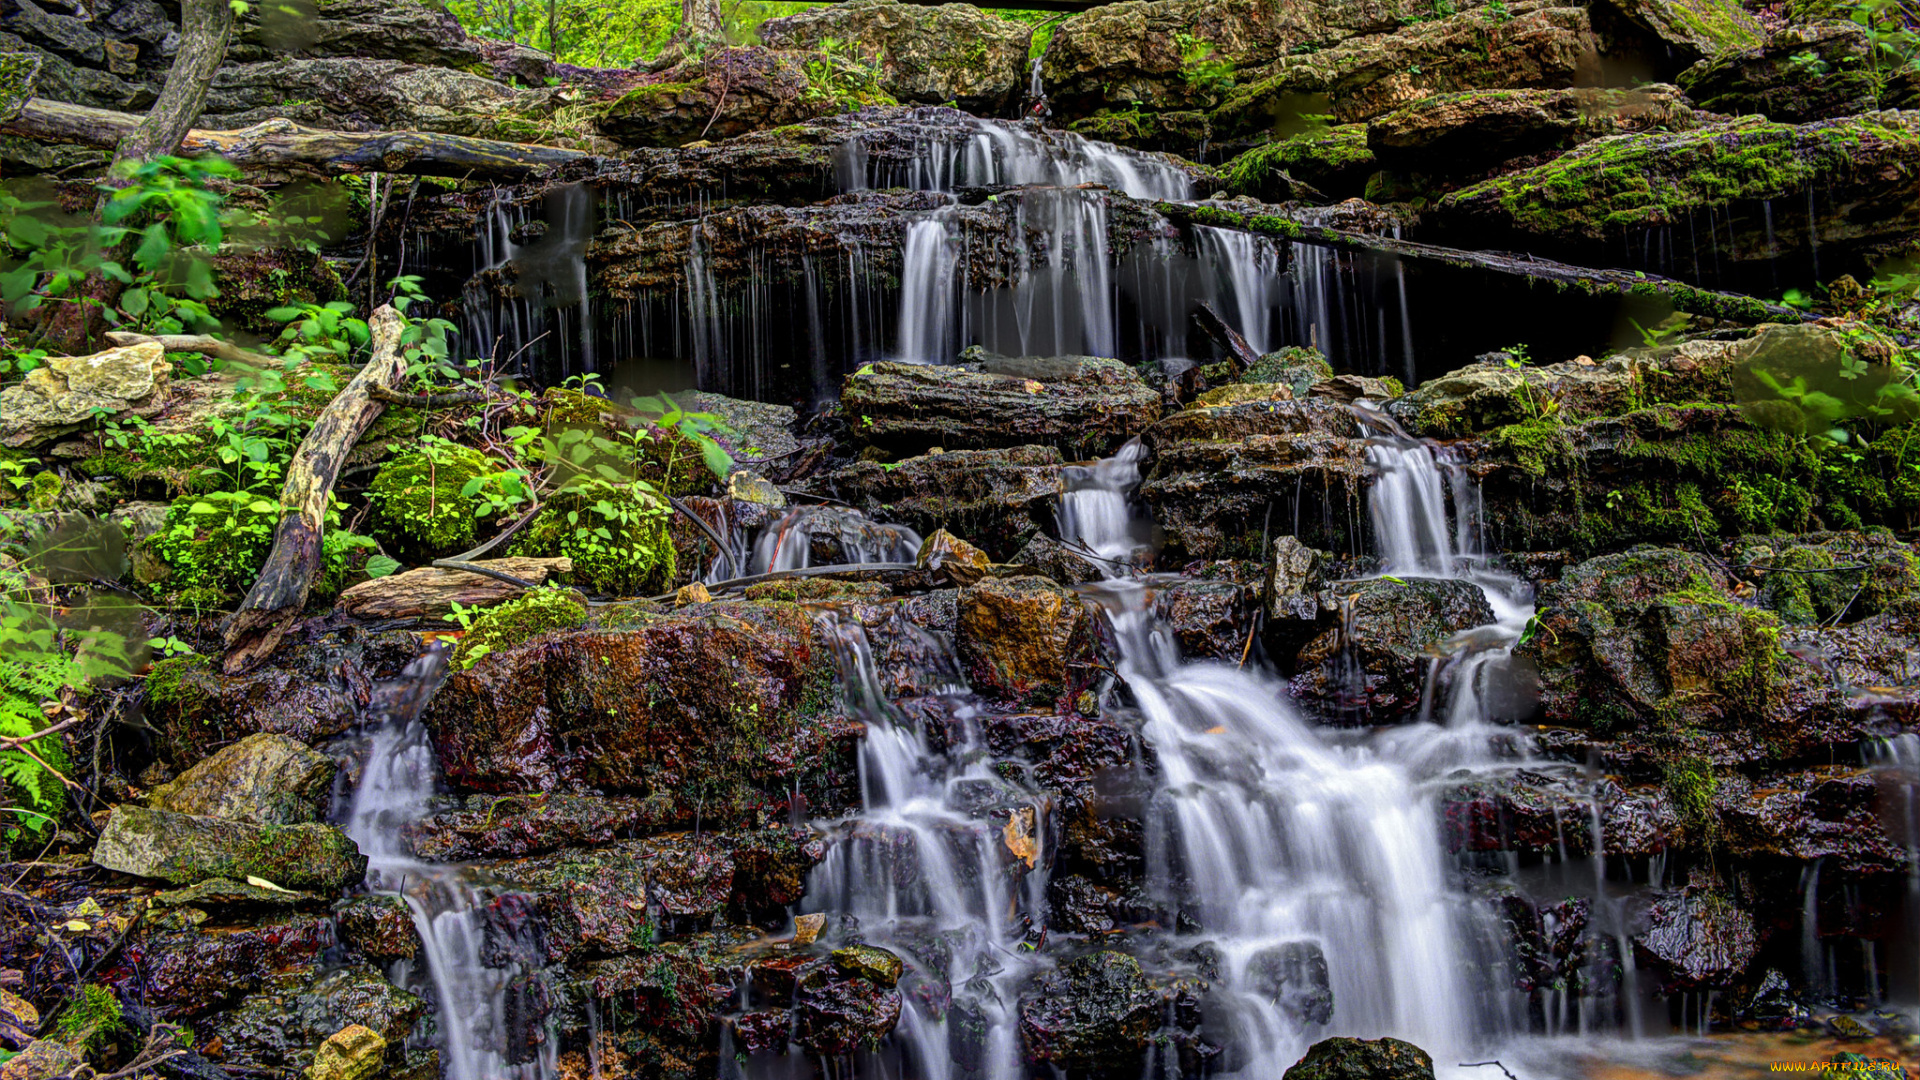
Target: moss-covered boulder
x=1084 y=405
x=617 y=538
x=1335 y=161
x=1362 y=1059
x=733 y=91
x=1864 y=168
x=998 y=499
x=953 y=53
x=264 y=779
x=1470 y=130
x=185 y=848
x=1829 y=578
x=1809 y=72
x=420 y=510
x=213 y=546
x=519 y=620
x=1091 y=1016
x=255 y=280
x=291 y=1025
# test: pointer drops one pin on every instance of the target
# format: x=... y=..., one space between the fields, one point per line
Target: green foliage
x=421 y=508
x=1691 y=784
x=92 y=1018
x=605 y=33
x=214 y=545
x=616 y=536
x=520 y=619
x=36 y=664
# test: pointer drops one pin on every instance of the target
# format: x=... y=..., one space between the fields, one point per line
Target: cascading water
x=481 y=954
x=792 y=542
x=1287 y=855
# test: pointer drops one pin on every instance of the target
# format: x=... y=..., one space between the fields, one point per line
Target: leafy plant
x=36 y=665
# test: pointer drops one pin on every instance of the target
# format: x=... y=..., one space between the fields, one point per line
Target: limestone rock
x=68 y=391
x=1808 y=72
x=1461 y=132
x=953 y=560
x=264 y=779
x=995 y=498
x=1362 y=1059
x=355 y=1052
x=729 y=92
x=1291 y=579
x=1376 y=657
x=927 y=55
x=355 y=94
x=1020 y=636
x=1084 y=405
x=183 y=849
x=217 y=892
x=869 y=962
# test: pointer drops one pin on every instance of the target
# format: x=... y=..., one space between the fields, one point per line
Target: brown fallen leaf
x=1019 y=836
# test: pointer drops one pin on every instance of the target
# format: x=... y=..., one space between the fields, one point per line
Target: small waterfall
x=792 y=542
x=929 y=262
x=482 y=950
x=967 y=152
x=549 y=294
x=1896 y=765
x=1252 y=267
x=928 y=869
x=1286 y=854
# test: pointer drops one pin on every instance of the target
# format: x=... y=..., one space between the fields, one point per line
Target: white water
x=1278 y=843
x=787 y=544
x=449 y=905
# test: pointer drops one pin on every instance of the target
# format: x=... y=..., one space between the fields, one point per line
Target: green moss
x=1539 y=446
x=175 y=683
x=518 y=620
x=214 y=546
x=1333 y=160
x=619 y=544
x=418 y=510
x=1691 y=785
x=91 y=1018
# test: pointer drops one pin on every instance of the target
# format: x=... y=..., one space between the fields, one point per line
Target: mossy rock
x=213 y=549
x=1337 y=161
x=618 y=541
x=255 y=281
x=419 y=511
x=518 y=620
x=666 y=459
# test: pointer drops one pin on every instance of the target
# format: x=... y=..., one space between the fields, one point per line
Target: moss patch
x=519 y=620
x=419 y=511
x=619 y=544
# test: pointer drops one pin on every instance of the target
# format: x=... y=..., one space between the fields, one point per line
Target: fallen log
x=433 y=590
x=1695 y=301
x=200 y=343
x=282 y=142
x=280 y=592
x=1226 y=337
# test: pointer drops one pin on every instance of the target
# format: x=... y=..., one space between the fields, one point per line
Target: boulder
x=1334 y=161
x=509 y=826
x=1699 y=938
x=1294 y=977
x=1814 y=71
x=1529 y=812
x=733 y=91
x=951 y=560
x=188 y=971
x=264 y=779
x=1209 y=617
x=1470 y=131
x=67 y=393
x=1375 y=659
x=379 y=925
x=1362 y=1059
x=1085 y=406
x=355 y=94
x=183 y=849
x=869 y=962
x=1021 y=638
x=1582 y=201
x=840 y=1016
x=997 y=499
x=713 y=709
x=355 y=1052
x=295 y=1023
x=953 y=53
x=1090 y=1016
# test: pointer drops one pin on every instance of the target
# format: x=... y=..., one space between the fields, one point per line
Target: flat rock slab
x=186 y=848
x=1086 y=406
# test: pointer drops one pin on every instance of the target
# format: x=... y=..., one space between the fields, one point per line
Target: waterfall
x=929 y=262
x=968 y=152
x=482 y=955
x=1252 y=267
x=1287 y=854
x=1896 y=764
x=790 y=542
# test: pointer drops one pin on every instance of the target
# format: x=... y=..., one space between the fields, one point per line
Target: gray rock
x=1085 y=405
x=1291 y=579
x=184 y=848
x=264 y=779
x=928 y=55
x=1700 y=938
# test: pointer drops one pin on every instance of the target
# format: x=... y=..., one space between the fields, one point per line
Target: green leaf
x=134 y=302
x=31 y=232
x=382 y=565
x=262 y=506
x=154 y=246
x=202 y=508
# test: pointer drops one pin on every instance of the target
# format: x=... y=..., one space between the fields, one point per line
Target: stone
x=290 y=1023
x=840 y=1016
x=355 y=1052
x=1085 y=406
x=357 y=94
x=1362 y=1059
x=1292 y=580
x=183 y=849
x=995 y=498
x=732 y=91
x=68 y=392
x=1209 y=617
x=1473 y=130
x=1090 y=1016
x=1814 y=71
x=1699 y=938
x=1294 y=977
x=1373 y=661
x=869 y=962
x=380 y=926
x=189 y=970
x=952 y=53
x=18 y=1020
x=264 y=779
x=42 y=1059
x=431 y=591
x=1020 y=638
x=952 y=560
x=215 y=892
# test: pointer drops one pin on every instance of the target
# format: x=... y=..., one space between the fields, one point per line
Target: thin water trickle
x=481 y=950
x=790 y=542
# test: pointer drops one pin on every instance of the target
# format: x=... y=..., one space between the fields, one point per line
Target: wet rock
x=995 y=498
x=1809 y=72
x=183 y=849
x=1774 y=1006
x=18 y=1020
x=68 y=392
x=839 y=1016
x=42 y=1059
x=218 y=892
x=291 y=1025
x=1699 y=937
x=1362 y=1059
x=1209 y=618
x=1547 y=943
x=311 y=690
x=1294 y=977
x=507 y=826
x=1055 y=560
x=1084 y=405
x=1386 y=637
x=952 y=560
x=1021 y=638
x=1828 y=814
x=381 y=927
x=874 y=964
x=1572 y=205
x=1092 y=1016
x=1292 y=580
x=762 y=1031
x=187 y=972
x=1829 y=578
x=729 y=92
x=712 y=710
x=355 y=1052
x=1473 y=130
x=1525 y=812
x=932 y=55
x=264 y=779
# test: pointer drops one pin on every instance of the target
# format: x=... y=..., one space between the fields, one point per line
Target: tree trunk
x=1229 y=339
x=283 y=142
x=699 y=19
x=204 y=28
x=280 y=592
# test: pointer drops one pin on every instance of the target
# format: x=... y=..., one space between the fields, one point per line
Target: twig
x=430 y=401
x=18 y=742
x=1495 y=1064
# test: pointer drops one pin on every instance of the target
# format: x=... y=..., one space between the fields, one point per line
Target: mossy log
x=282 y=142
x=280 y=592
x=1695 y=301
